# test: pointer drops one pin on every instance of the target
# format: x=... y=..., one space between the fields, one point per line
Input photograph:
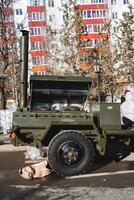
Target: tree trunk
x=3 y=96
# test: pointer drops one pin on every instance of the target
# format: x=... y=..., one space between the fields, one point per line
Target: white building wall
x=116 y=9
x=54 y=13
x=20 y=14
x=21 y=22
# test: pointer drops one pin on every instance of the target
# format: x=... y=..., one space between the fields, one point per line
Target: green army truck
x=59 y=116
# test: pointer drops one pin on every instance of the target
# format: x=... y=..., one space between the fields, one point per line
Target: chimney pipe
x=24 y=69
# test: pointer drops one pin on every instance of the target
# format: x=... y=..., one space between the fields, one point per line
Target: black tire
x=70 y=153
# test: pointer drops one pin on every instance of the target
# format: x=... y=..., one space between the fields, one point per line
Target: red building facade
x=95 y=15
x=37 y=26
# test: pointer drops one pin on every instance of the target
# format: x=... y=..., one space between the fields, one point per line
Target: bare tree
x=102 y=56
x=108 y=77
x=74 y=48
x=8 y=52
x=124 y=47
x=65 y=44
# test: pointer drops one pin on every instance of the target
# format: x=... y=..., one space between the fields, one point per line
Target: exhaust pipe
x=24 y=69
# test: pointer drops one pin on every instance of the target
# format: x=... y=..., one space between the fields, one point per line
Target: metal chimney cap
x=24 y=32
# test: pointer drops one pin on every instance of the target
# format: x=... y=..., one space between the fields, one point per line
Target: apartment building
x=54 y=13
x=37 y=26
x=95 y=15
x=40 y=13
x=31 y=15
x=20 y=15
x=116 y=8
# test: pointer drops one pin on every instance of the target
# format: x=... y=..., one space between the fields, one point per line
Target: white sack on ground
x=37 y=170
x=33 y=153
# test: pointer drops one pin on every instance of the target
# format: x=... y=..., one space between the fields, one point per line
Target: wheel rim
x=71 y=154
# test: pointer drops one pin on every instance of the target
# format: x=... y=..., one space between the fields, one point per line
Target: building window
x=115 y=29
x=97 y=1
x=97 y=13
x=52 y=18
x=20 y=26
x=8 y=18
x=88 y=14
x=113 y=2
x=51 y=3
x=125 y=1
x=34 y=2
x=35 y=31
x=18 y=12
x=65 y=17
x=89 y=28
x=84 y=57
x=114 y=15
x=94 y=14
x=38 y=46
x=82 y=1
x=84 y=14
x=96 y=27
x=41 y=73
x=39 y=60
x=35 y=16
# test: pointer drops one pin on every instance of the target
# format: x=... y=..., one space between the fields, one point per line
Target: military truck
x=58 y=115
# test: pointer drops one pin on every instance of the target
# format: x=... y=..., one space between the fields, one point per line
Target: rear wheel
x=70 y=153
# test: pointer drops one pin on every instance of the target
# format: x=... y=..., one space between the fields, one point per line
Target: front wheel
x=70 y=153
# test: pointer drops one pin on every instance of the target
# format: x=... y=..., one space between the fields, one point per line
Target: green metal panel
x=37 y=122
x=61 y=78
x=110 y=116
x=47 y=90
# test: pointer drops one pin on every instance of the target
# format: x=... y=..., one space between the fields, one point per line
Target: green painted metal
x=38 y=122
x=24 y=68
x=45 y=91
x=38 y=119
x=110 y=117
x=61 y=79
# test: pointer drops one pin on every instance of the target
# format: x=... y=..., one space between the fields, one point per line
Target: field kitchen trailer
x=57 y=114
